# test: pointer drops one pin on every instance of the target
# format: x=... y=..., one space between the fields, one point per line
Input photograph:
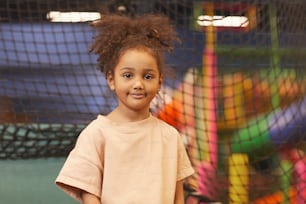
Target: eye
x=148 y=76
x=127 y=75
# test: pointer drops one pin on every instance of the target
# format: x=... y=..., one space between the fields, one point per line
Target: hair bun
x=116 y=32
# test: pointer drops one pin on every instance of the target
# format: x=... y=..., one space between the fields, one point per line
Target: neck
x=119 y=115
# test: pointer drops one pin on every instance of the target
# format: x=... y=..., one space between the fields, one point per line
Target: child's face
x=136 y=80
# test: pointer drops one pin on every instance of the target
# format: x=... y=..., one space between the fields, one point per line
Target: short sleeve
x=83 y=169
x=185 y=168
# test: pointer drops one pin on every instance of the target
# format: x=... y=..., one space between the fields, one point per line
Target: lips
x=138 y=95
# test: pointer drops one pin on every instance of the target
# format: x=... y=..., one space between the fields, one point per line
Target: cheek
x=154 y=89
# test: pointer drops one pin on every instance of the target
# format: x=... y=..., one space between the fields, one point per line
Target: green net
x=238 y=96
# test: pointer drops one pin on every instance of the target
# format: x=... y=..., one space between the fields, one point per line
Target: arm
x=179 y=193
x=88 y=198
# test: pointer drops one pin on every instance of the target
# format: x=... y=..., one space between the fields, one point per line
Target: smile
x=138 y=95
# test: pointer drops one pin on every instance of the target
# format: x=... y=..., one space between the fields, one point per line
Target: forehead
x=138 y=50
x=137 y=58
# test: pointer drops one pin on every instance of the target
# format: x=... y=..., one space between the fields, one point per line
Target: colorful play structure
x=263 y=118
x=259 y=134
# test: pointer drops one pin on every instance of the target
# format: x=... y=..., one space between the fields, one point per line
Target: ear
x=110 y=80
x=161 y=78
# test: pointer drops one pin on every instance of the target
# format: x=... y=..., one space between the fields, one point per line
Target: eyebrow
x=131 y=69
x=127 y=68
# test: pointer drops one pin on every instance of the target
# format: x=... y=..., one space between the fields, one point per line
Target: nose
x=138 y=84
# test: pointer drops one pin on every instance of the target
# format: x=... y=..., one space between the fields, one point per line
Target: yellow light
x=57 y=16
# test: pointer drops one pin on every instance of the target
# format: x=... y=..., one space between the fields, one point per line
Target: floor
x=31 y=182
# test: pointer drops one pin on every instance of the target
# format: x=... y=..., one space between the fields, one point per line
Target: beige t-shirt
x=129 y=163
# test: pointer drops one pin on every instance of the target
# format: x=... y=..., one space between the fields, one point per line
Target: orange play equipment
x=277 y=198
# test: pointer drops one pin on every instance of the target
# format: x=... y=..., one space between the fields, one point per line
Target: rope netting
x=238 y=96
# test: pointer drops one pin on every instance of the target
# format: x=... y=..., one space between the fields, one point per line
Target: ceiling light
x=223 y=21
x=57 y=16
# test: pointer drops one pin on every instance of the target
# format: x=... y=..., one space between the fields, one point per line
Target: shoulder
x=163 y=123
x=94 y=130
x=100 y=122
x=165 y=127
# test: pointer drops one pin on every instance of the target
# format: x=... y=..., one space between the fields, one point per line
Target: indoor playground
x=237 y=95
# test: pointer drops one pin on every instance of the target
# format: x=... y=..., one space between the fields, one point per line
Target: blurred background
x=238 y=96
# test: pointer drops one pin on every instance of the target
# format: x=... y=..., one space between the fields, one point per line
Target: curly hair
x=116 y=34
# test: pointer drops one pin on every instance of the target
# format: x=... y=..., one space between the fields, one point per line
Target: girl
x=129 y=156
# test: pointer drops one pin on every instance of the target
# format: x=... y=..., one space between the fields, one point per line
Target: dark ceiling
x=289 y=11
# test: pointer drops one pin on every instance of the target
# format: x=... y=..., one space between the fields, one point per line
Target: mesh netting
x=238 y=97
